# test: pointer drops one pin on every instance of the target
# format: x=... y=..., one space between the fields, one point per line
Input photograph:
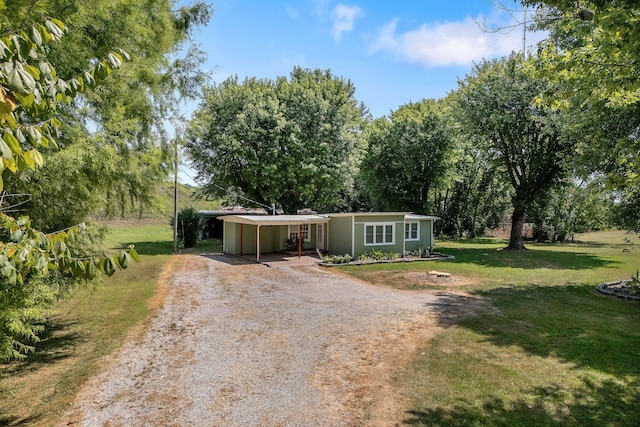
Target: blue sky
x=393 y=52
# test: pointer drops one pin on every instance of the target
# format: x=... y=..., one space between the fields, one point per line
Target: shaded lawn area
x=544 y=349
x=485 y=264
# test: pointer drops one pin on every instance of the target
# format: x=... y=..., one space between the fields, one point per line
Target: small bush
x=337 y=259
x=190 y=226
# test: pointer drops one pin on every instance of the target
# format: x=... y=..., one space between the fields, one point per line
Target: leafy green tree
x=408 y=157
x=496 y=104
x=294 y=142
x=592 y=49
x=477 y=198
x=574 y=207
x=121 y=123
x=29 y=259
x=591 y=58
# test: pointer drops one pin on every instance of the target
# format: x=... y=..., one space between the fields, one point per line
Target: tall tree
x=408 y=158
x=496 y=102
x=293 y=142
x=122 y=121
x=591 y=56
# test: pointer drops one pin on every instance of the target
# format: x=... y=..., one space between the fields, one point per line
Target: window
x=379 y=234
x=293 y=232
x=411 y=231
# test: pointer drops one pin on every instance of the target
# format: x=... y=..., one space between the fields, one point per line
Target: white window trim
x=409 y=239
x=384 y=225
x=295 y=231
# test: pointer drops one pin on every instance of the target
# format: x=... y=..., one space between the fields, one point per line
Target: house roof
x=234 y=210
x=418 y=217
x=407 y=215
x=276 y=219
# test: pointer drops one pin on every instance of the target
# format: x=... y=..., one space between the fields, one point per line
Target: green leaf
x=37 y=157
x=59 y=248
x=54 y=29
x=21 y=81
x=134 y=254
x=35 y=36
x=77 y=268
x=12 y=142
x=114 y=59
x=33 y=71
x=4 y=51
x=100 y=72
x=90 y=271
x=4 y=148
x=107 y=266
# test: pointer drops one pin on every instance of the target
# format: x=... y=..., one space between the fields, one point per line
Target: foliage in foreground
x=37 y=268
x=33 y=265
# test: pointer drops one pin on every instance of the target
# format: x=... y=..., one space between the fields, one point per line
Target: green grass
x=542 y=349
x=82 y=330
x=485 y=264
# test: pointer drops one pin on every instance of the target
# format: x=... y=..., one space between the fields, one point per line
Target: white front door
x=320 y=236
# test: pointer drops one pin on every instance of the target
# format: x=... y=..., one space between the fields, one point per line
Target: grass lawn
x=544 y=349
x=85 y=328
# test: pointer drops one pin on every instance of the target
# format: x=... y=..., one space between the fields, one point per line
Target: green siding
x=267 y=242
x=339 y=235
x=230 y=239
x=398 y=220
x=426 y=239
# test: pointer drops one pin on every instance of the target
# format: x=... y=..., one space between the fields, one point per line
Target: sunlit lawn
x=82 y=330
x=545 y=349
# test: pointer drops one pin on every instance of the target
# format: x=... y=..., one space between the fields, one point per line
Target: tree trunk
x=517 y=225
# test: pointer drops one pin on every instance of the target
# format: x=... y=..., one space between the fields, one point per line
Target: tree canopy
x=408 y=157
x=496 y=102
x=293 y=142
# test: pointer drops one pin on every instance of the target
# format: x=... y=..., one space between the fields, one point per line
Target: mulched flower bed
x=431 y=257
x=619 y=289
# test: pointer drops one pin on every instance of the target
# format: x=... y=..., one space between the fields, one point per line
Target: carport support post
x=240 y=239
x=299 y=240
x=258 y=248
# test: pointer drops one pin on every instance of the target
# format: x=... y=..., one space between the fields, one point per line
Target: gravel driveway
x=240 y=344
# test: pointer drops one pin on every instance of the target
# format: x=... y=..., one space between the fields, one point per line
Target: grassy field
x=543 y=348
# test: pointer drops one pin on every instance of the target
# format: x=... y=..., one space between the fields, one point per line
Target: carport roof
x=276 y=219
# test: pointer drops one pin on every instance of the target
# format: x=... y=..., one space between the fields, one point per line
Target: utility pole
x=175 y=195
x=524 y=32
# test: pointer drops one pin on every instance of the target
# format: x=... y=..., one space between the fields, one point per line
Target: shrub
x=190 y=225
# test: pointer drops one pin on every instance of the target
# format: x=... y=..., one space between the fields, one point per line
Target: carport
x=249 y=234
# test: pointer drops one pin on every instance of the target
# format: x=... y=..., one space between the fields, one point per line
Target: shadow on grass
x=572 y=323
x=56 y=343
x=165 y=247
x=610 y=403
x=10 y=421
x=531 y=259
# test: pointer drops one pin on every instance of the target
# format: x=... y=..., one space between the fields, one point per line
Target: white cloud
x=450 y=43
x=343 y=19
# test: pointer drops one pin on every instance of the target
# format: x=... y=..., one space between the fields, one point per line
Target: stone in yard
x=439 y=274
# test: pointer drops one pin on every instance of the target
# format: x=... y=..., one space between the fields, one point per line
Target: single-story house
x=336 y=233
x=213 y=222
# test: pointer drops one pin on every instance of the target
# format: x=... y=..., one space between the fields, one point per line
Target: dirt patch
x=246 y=345
x=434 y=279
